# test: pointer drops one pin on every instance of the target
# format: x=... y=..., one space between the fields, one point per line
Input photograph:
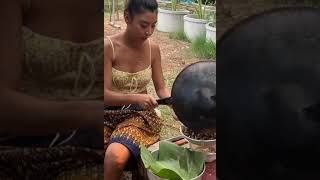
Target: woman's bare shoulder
x=154 y=45
x=111 y=43
x=155 y=49
x=115 y=40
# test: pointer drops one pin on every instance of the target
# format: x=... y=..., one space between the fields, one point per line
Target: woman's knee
x=117 y=155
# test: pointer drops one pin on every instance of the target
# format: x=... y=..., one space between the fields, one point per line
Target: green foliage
x=209 y=2
x=202 y=48
x=174 y=4
x=179 y=36
x=201 y=9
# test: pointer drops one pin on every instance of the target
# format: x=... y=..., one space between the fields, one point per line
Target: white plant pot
x=194 y=27
x=170 y=21
x=211 y=32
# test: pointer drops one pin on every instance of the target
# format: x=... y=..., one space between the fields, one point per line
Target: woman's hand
x=146 y=101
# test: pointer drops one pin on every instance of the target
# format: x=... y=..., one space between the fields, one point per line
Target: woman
x=131 y=61
x=48 y=98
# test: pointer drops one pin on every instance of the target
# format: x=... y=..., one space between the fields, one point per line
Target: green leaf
x=174 y=4
x=173 y=162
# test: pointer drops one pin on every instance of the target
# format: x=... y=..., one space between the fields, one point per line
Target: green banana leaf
x=173 y=162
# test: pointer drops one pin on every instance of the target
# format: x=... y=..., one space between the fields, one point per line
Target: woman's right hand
x=146 y=101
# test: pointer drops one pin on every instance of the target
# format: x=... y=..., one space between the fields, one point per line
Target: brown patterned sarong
x=132 y=128
x=31 y=158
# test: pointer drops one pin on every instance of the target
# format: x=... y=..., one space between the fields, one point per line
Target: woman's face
x=142 y=26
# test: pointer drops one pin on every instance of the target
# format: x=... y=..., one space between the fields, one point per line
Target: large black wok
x=193 y=96
x=269 y=91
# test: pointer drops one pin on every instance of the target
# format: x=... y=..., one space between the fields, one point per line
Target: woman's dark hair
x=135 y=7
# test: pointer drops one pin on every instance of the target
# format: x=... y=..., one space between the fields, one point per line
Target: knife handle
x=165 y=101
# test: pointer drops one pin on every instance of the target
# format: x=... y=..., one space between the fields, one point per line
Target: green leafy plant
x=202 y=48
x=180 y=35
x=174 y=4
x=173 y=162
x=201 y=9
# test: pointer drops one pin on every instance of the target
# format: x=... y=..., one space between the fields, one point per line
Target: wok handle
x=165 y=101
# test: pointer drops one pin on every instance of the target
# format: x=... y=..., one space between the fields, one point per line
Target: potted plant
x=211 y=32
x=211 y=29
x=171 y=20
x=195 y=24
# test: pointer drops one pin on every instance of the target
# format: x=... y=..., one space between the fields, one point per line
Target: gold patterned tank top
x=61 y=69
x=126 y=82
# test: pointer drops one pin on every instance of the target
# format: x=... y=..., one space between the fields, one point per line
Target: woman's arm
x=157 y=74
x=21 y=114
